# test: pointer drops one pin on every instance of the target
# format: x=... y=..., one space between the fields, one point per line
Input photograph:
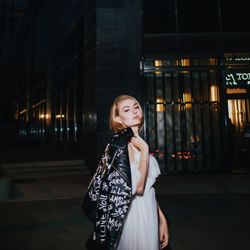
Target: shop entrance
x=238 y=101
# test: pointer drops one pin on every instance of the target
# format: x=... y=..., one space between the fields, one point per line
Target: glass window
x=235 y=15
x=19 y=3
x=3 y=19
x=198 y=16
x=158 y=16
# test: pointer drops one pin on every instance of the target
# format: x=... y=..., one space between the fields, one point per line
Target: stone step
x=43 y=169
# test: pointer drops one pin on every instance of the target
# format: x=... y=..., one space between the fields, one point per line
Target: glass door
x=238 y=128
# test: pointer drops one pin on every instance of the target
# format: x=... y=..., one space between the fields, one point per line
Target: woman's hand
x=164 y=236
x=138 y=142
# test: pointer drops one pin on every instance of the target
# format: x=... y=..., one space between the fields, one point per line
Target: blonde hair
x=114 y=112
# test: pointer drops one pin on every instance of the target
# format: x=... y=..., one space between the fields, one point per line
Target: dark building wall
x=70 y=60
x=112 y=54
x=118 y=55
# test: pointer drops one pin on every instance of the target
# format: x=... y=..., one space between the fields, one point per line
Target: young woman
x=128 y=216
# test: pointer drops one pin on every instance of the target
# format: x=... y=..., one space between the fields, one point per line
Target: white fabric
x=140 y=231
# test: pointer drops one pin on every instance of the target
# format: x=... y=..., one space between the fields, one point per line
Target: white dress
x=140 y=231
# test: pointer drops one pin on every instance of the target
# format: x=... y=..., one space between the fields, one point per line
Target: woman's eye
x=136 y=107
x=126 y=110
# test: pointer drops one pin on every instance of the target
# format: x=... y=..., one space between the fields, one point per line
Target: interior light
x=160 y=107
x=187 y=99
x=214 y=93
x=44 y=116
x=158 y=63
x=60 y=116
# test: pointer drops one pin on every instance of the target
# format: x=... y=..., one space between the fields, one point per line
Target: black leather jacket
x=114 y=193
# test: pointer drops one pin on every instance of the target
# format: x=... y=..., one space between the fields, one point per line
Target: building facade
x=188 y=64
x=196 y=72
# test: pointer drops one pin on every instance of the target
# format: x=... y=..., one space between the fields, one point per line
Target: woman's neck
x=135 y=131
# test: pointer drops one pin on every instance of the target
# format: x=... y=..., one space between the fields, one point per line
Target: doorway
x=238 y=103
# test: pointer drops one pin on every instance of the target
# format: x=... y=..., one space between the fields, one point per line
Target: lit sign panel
x=237 y=79
x=237 y=60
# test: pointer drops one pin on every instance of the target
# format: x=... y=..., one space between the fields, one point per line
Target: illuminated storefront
x=188 y=105
x=237 y=88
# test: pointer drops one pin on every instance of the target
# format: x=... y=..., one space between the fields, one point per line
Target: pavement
x=68 y=187
x=205 y=212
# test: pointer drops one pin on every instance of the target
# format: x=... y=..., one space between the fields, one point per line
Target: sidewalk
x=204 y=183
x=65 y=187
x=204 y=212
x=75 y=186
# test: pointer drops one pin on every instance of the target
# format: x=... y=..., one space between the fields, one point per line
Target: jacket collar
x=121 y=138
x=127 y=132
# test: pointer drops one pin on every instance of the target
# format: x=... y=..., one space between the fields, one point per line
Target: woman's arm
x=143 y=168
x=163 y=228
x=143 y=163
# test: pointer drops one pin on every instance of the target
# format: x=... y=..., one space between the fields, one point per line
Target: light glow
x=60 y=116
x=213 y=93
x=44 y=116
x=160 y=107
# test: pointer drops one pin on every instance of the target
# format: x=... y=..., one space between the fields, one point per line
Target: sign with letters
x=237 y=79
x=237 y=60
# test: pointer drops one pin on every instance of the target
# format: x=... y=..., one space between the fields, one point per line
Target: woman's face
x=130 y=113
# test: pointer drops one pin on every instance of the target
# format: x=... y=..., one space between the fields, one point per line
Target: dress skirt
x=141 y=230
